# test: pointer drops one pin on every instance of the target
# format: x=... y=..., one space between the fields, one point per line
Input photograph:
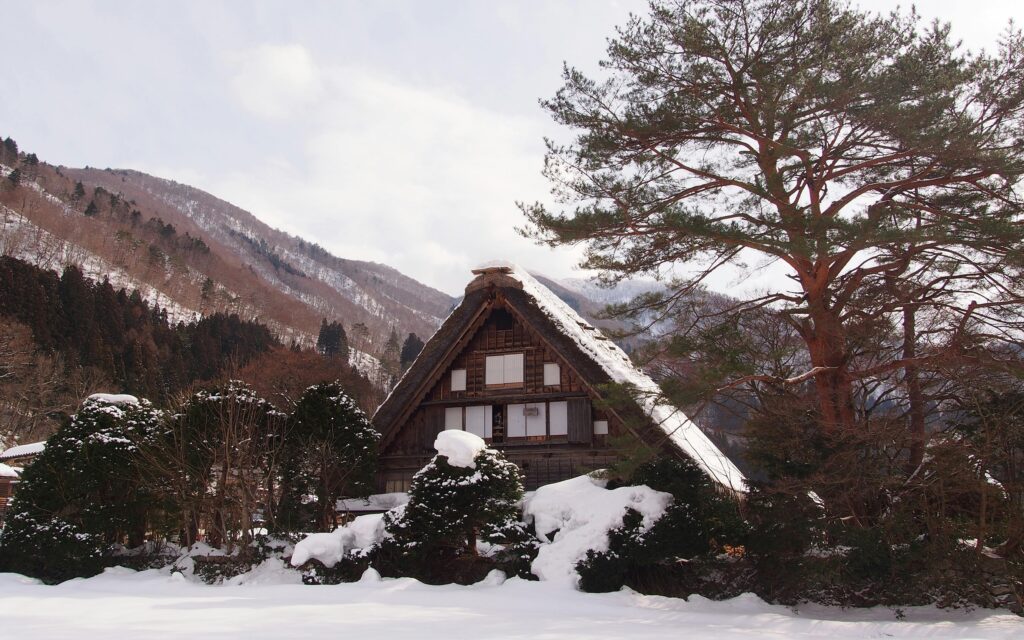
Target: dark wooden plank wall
x=542 y=462
x=493 y=340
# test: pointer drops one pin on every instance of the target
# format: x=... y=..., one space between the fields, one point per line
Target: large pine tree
x=871 y=159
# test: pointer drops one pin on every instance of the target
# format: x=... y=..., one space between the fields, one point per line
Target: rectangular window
x=559 y=418
x=453 y=418
x=478 y=420
x=494 y=371
x=458 y=379
x=504 y=370
x=536 y=420
x=513 y=368
x=552 y=374
x=516 y=421
x=600 y=427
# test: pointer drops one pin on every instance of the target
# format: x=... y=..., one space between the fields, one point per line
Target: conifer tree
x=332 y=341
x=79 y=191
x=14 y=178
x=92 y=210
x=83 y=493
x=410 y=350
x=330 y=453
x=450 y=506
x=866 y=155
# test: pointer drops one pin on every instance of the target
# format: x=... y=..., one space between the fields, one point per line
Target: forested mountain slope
x=194 y=254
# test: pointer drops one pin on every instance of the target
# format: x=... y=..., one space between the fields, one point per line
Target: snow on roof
x=677 y=426
x=376 y=502
x=7 y=472
x=23 y=450
x=114 y=398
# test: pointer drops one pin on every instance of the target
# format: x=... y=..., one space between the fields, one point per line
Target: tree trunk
x=915 y=397
x=826 y=345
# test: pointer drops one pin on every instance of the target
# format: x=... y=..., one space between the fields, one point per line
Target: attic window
x=504 y=370
x=600 y=427
x=458 y=379
x=552 y=374
x=503 y=320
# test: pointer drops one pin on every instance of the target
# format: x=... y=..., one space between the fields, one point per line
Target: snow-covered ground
x=270 y=604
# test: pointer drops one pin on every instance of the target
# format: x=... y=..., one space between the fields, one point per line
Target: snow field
x=268 y=603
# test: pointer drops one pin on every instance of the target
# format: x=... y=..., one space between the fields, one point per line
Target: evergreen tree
x=14 y=178
x=390 y=360
x=208 y=288
x=92 y=209
x=83 y=494
x=10 y=151
x=410 y=350
x=865 y=154
x=330 y=453
x=450 y=507
x=79 y=191
x=332 y=341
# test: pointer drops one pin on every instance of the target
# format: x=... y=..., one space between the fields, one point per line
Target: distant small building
x=518 y=367
x=22 y=454
x=8 y=478
x=11 y=462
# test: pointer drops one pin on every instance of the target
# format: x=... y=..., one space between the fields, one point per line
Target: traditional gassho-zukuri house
x=518 y=367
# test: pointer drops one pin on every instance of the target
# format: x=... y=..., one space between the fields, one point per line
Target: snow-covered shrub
x=699 y=520
x=330 y=452
x=466 y=493
x=83 y=494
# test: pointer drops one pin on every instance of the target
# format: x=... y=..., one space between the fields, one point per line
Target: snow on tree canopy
x=686 y=435
x=580 y=512
x=330 y=548
x=459 y=447
x=113 y=398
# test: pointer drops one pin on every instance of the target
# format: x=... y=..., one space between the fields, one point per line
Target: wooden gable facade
x=543 y=419
x=496 y=368
x=518 y=367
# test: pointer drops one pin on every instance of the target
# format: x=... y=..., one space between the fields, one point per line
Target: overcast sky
x=399 y=132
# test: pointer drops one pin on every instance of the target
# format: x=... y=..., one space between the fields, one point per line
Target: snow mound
x=114 y=398
x=460 y=447
x=580 y=512
x=7 y=471
x=330 y=548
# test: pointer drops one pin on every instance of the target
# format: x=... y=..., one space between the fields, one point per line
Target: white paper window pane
x=559 y=419
x=552 y=374
x=516 y=421
x=600 y=427
x=494 y=371
x=453 y=418
x=536 y=425
x=478 y=420
x=458 y=379
x=513 y=368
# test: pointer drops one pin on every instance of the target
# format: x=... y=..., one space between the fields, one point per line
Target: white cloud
x=275 y=81
x=415 y=177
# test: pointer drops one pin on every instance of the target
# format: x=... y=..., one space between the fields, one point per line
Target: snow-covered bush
x=466 y=493
x=83 y=494
x=330 y=452
x=699 y=520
